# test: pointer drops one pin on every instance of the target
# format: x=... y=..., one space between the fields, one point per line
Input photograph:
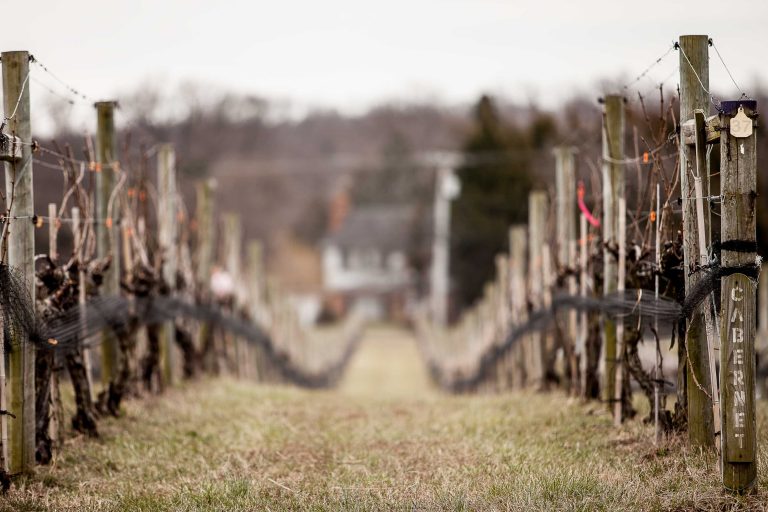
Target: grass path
x=384 y=440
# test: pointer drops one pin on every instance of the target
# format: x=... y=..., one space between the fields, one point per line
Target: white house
x=365 y=263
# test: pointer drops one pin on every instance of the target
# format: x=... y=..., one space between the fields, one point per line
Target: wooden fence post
x=738 y=170
x=565 y=182
x=657 y=367
x=762 y=305
x=21 y=257
x=518 y=250
x=168 y=241
x=204 y=215
x=620 y=281
x=106 y=223
x=550 y=348
x=537 y=221
x=583 y=345
x=255 y=255
x=613 y=190
x=204 y=254
x=761 y=344
x=53 y=232
x=55 y=423
x=259 y=306
x=233 y=242
x=503 y=317
x=694 y=77
x=78 y=241
x=3 y=399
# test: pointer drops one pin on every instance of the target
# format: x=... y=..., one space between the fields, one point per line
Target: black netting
x=627 y=304
x=20 y=321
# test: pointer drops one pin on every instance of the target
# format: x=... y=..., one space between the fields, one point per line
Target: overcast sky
x=348 y=54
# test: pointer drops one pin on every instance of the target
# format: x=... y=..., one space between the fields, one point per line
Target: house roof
x=384 y=227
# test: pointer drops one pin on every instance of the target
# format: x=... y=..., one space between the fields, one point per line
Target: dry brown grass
x=383 y=441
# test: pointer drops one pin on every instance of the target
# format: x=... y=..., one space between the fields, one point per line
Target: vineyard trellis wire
x=69 y=311
x=521 y=333
x=161 y=324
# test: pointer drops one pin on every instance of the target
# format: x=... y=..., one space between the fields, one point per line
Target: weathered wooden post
x=3 y=399
x=21 y=254
x=657 y=367
x=204 y=253
x=582 y=347
x=127 y=245
x=537 y=221
x=620 y=281
x=205 y=215
x=518 y=250
x=762 y=305
x=694 y=78
x=168 y=235
x=565 y=184
x=78 y=237
x=761 y=345
x=738 y=169
x=613 y=190
x=503 y=316
x=258 y=305
x=255 y=255
x=233 y=242
x=53 y=232
x=53 y=383
x=107 y=236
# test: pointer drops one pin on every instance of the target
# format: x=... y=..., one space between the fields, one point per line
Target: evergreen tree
x=495 y=182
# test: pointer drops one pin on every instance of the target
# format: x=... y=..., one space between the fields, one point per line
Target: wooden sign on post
x=739 y=325
x=738 y=169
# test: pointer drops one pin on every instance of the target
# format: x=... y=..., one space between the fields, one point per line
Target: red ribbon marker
x=583 y=207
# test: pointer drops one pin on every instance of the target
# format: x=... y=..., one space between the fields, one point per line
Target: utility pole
x=565 y=184
x=107 y=221
x=447 y=188
x=738 y=170
x=21 y=257
x=168 y=235
x=613 y=191
x=694 y=79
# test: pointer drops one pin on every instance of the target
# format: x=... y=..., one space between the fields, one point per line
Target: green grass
x=384 y=441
